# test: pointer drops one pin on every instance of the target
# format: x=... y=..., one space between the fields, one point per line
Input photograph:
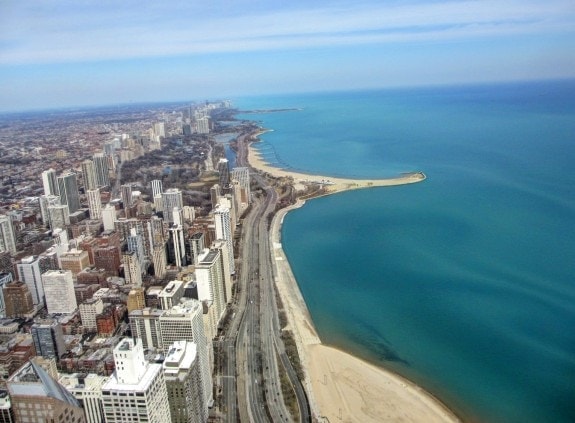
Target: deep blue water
x=464 y=283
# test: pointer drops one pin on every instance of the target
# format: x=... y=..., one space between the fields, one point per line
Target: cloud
x=60 y=32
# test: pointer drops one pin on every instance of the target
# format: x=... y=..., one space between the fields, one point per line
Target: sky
x=63 y=53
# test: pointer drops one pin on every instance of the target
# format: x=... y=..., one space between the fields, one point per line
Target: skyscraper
x=59 y=291
x=59 y=216
x=94 y=203
x=222 y=246
x=223 y=224
x=7 y=238
x=108 y=217
x=126 y=194
x=170 y=199
x=242 y=175
x=185 y=322
x=69 y=195
x=48 y=338
x=45 y=202
x=224 y=171
x=177 y=244
x=145 y=325
x=183 y=380
x=197 y=245
x=5 y=279
x=29 y=272
x=102 y=172
x=132 y=269
x=160 y=129
x=89 y=175
x=136 y=391
x=156 y=187
x=50 y=183
x=210 y=279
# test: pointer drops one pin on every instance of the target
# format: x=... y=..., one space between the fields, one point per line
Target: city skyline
x=80 y=54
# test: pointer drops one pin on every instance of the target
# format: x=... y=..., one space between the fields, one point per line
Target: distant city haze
x=60 y=53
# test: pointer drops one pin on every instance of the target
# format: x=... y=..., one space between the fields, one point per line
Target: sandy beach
x=331 y=184
x=340 y=386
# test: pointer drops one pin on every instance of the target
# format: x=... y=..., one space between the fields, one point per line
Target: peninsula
x=340 y=386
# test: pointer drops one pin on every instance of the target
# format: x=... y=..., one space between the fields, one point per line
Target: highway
x=252 y=351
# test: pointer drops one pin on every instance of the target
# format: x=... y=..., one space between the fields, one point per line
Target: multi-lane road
x=252 y=352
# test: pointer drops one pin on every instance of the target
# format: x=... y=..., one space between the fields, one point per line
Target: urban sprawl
x=134 y=277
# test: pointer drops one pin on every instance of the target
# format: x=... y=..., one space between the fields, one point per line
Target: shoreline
x=331 y=184
x=340 y=386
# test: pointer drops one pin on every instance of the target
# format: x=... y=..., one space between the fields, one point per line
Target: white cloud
x=71 y=32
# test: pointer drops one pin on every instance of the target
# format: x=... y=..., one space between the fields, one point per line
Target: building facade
x=59 y=291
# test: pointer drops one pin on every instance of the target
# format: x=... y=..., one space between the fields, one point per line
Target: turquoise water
x=463 y=283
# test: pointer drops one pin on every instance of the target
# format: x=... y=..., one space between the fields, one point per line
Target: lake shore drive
x=340 y=386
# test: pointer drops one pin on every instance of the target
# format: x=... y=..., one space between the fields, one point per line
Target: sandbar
x=331 y=185
x=340 y=386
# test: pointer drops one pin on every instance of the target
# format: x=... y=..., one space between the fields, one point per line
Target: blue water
x=225 y=139
x=464 y=283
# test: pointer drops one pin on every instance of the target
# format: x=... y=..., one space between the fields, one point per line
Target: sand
x=331 y=184
x=340 y=386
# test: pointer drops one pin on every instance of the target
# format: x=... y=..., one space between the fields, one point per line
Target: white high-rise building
x=222 y=246
x=29 y=273
x=50 y=182
x=189 y=213
x=170 y=199
x=59 y=291
x=89 y=174
x=242 y=175
x=89 y=309
x=160 y=129
x=183 y=380
x=203 y=125
x=136 y=392
x=109 y=217
x=210 y=280
x=228 y=202
x=185 y=322
x=145 y=325
x=223 y=224
x=176 y=232
x=156 y=187
x=7 y=237
x=94 y=203
x=159 y=260
x=45 y=202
